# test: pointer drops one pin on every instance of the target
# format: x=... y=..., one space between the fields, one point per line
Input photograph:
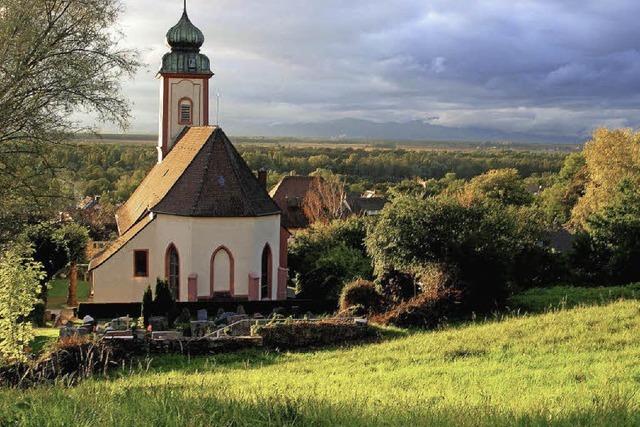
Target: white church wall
x=195 y=239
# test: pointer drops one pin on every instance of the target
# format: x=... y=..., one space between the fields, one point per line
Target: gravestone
x=158 y=323
x=66 y=315
x=203 y=315
x=120 y=324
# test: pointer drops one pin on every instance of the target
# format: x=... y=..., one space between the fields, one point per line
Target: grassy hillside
x=564 y=367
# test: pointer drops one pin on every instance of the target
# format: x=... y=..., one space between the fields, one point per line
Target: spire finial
x=185 y=6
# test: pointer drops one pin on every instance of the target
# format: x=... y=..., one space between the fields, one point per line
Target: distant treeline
x=114 y=170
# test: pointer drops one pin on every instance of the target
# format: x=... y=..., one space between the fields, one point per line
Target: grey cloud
x=549 y=66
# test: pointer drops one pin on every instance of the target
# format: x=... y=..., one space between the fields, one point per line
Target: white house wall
x=195 y=239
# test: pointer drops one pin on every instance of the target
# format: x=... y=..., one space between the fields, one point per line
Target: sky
x=546 y=67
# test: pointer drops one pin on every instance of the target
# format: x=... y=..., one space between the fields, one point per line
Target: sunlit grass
x=557 y=297
x=564 y=367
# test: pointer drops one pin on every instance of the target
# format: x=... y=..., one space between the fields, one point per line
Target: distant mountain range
x=412 y=130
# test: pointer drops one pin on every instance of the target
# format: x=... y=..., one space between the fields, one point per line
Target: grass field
x=57 y=295
x=569 y=367
x=540 y=300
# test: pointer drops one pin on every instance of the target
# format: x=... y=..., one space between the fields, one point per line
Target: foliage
x=497 y=185
x=147 y=304
x=20 y=283
x=326 y=256
x=48 y=251
x=164 y=302
x=73 y=238
x=611 y=250
x=428 y=310
x=57 y=58
x=363 y=293
x=611 y=157
x=478 y=242
x=397 y=286
x=558 y=200
x=324 y=201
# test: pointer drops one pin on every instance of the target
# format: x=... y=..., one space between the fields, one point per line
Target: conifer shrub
x=164 y=303
x=362 y=293
x=147 y=305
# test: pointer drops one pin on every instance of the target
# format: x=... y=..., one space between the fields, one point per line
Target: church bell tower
x=184 y=84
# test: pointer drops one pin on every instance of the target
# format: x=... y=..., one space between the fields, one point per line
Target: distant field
x=566 y=367
x=348 y=143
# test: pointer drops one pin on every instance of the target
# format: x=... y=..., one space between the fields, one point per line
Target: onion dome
x=185 y=35
x=185 y=40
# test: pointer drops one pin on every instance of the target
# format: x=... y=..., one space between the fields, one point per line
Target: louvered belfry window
x=185 y=112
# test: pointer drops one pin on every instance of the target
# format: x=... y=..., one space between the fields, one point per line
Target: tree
x=49 y=252
x=610 y=251
x=147 y=305
x=498 y=185
x=325 y=199
x=476 y=243
x=73 y=238
x=326 y=256
x=20 y=282
x=56 y=57
x=611 y=157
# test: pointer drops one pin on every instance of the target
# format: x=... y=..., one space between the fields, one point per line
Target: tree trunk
x=72 y=296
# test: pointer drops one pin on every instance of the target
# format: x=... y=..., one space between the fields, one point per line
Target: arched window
x=266 y=273
x=172 y=270
x=185 y=111
x=222 y=266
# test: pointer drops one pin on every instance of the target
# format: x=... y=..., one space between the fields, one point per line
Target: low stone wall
x=305 y=334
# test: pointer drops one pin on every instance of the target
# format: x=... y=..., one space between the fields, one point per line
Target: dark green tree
x=147 y=305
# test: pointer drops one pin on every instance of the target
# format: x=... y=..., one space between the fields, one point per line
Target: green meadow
x=564 y=366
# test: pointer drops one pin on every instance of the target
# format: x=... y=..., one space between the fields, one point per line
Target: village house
x=292 y=190
x=200 y=219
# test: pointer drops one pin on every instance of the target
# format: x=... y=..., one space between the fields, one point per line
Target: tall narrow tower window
x=185 y=111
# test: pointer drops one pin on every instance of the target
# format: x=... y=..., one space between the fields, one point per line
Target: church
x=200 y=219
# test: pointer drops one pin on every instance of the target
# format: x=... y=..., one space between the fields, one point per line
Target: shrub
x=480 y=241
x=428 y=310
x=147 y=305
x=361 y=292
x=326 y=256
x=164 y=304
x=20 y=278
x=397 y=286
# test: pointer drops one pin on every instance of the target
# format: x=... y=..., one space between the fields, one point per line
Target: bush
x=326 y=256
x=147 y=305
x=428 y=310
x=361 y=292
x=478 y=241
x=164 y=304
x=20 y=278
x=397 y=286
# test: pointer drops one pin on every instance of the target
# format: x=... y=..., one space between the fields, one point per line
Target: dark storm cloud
x=528 y=66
